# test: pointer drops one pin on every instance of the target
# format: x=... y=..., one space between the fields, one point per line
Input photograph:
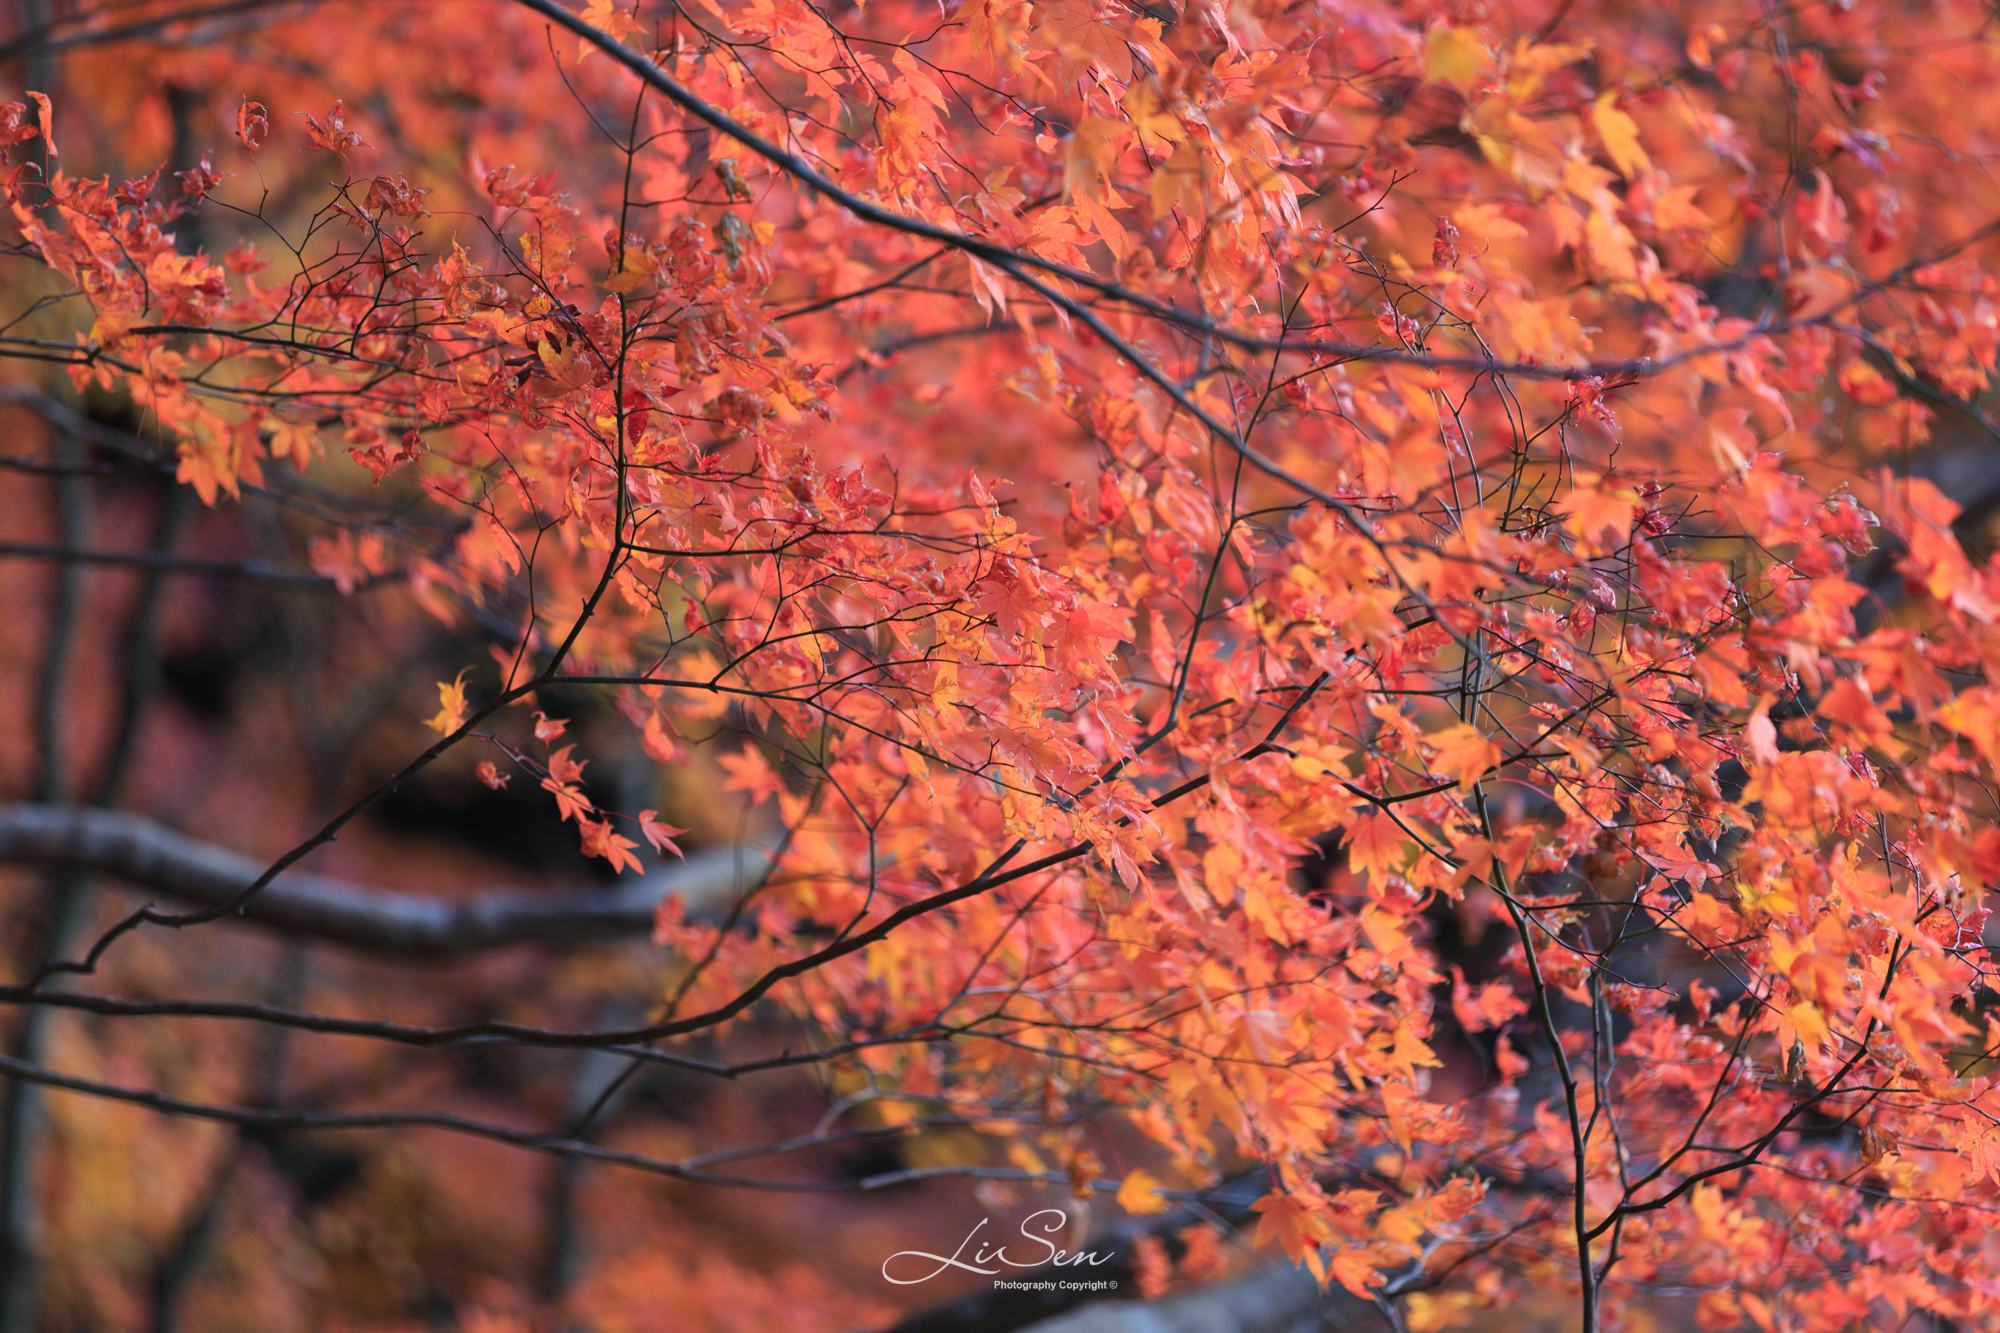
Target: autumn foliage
x=1357 y=591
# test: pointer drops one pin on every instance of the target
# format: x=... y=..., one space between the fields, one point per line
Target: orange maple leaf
x=660 y=835
x=609 y=19
x=751 y=772
x=48 y=116
x=599 y=840
x=570 y=802
x=1464 y=752
x=1599 y=513
x=1090 y=632
x=1375 y=844
x=1300 y=1222
x=564 y=769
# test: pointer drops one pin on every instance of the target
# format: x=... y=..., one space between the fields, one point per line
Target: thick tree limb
x=151 y=856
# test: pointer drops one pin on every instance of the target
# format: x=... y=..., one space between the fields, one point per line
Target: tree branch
x=255 y=571
x=151 y=856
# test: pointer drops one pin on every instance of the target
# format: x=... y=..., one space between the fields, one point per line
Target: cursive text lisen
x=984 y=1253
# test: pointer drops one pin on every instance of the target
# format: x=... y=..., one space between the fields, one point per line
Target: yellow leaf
x=1140 y=1195
x=111 y=326
x=1620 y=134
x=451 y=710
x=1454 y=56
x=1025 y=1157
x=636 y=274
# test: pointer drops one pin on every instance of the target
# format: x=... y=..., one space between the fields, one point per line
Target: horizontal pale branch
x=151 y=856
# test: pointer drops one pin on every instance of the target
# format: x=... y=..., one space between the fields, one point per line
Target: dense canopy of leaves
x=1345 y=588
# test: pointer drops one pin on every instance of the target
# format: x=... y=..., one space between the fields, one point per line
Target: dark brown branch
x=255 y=571
x=151 y=856
x=691 y=1169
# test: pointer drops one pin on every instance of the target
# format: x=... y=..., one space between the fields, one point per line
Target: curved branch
x=152 y=856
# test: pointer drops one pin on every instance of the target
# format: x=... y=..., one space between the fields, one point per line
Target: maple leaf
x=659 y=834
x=369 y=447
x=199 y=181
x=564 y=769
x=751 y=772
x=1356 y=1270
x=1090 y=632
x=1139 y=1194
x=350 y=561
x=295 y=440
x=548 y=728
x=451 y=705
x=490 y=775
x=47 y=115
x=1488 y=1006
x=1866 y=385
x=253 y=124
x=1376 y=844
x=332 y=134
x=1298 y=1220
x=601 y=841
x=13 y=130
x=1620 y=136
x=394 y=194
x=1261 y=1034
x=1600 y=514
x=654 y=740
x=1186 y=510
x=571 y=803
x=1463 y=752
x=608 y=18
x=1455 y=56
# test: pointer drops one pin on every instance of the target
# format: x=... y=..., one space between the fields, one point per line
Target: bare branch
x=142 y=852
x=254 y=571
